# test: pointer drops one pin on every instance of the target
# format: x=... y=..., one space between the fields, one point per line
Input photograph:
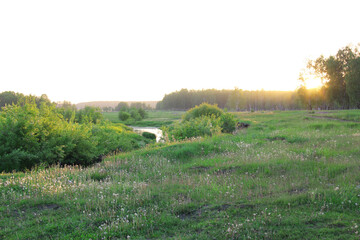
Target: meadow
x=154 y=118
x=290 y=175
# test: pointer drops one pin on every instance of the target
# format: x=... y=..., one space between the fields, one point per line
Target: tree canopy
x=340 y=74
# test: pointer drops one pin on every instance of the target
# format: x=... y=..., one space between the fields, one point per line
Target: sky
x=85 y=50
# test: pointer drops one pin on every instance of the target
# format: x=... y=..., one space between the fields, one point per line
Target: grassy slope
x=288 y=176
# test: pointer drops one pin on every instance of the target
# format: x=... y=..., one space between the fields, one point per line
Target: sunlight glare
x=313 y=82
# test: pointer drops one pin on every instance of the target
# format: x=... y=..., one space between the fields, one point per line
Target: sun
x=313 y=82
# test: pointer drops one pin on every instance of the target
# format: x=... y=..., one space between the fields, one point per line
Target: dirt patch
x=277 y=138
x=41 y=207
x=297 y=190
x=211 y=209
x=226 y=170
x=200 y=168
x=47 y=207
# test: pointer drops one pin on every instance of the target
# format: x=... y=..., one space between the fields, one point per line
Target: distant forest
x=237 y=100
x=340 y=75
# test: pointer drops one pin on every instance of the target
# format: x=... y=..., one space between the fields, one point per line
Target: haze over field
x=140 y=50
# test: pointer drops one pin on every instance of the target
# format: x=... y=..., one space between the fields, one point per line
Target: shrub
x=131 y=115
x=203 y=120
x=111 y=139
x=123 y=116
x=31 y=136
x=135 y=114
x=204 y=109
x=197 y=127
x=228 y=123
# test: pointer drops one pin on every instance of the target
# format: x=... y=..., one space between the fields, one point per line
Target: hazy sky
x=140 y=50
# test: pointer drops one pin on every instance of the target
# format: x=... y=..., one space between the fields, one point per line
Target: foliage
x=352 y=80
x=89 y=115
x=9 y=98
x=122 y=106
x=341 y=76
x=86 y=115
x=195 y=127
x=228 y=123
x=204 y=109
x=123 y=116
x=203 y=120
x=131 y=114
x=110 y=138
x=311 y=98
x=31 y=136
x=236 y=99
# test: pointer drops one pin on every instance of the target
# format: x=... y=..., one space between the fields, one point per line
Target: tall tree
x=334 y=70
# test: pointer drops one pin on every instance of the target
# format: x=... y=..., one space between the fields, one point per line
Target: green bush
x=204 y=109
x=228 y=123
x=135 y=114
x=31 y=135
x=131 y=115
x=197 y=127
x=200 y=121
x=123 y=116
x=112 y=139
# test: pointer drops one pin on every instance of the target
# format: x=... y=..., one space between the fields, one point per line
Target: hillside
x=290 y=175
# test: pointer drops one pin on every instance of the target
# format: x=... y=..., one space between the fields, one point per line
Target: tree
x=337 y=71
x=8 y=98
x=353 y=83
x=122 y=106
x=123 y=116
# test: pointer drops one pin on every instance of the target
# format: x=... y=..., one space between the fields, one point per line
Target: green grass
x=287 y=176
x=154 y=119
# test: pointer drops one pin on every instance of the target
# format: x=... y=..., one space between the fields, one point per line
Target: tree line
x=340 y=76
x=235 y=100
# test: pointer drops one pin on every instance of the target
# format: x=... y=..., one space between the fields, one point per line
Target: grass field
x=288 y=176
x=154 y=118
x=349 y=115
